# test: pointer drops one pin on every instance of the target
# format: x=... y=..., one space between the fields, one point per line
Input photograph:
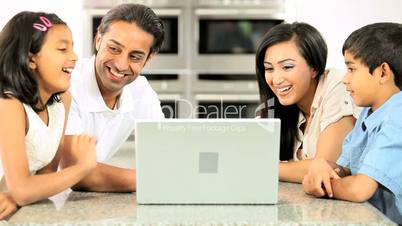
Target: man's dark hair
x=141 y=15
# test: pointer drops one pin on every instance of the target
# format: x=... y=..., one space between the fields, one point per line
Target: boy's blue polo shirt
x=374 y=147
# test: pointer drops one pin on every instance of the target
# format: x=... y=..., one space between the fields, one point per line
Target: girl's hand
x=317 y=181
x=7 y=205
x=83 y=150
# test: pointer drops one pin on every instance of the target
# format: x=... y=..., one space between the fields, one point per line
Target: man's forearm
x=107 y=178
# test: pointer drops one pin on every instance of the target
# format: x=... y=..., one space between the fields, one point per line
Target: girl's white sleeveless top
x=41 y=140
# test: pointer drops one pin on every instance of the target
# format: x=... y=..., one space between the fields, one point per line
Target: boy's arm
x=355 y=188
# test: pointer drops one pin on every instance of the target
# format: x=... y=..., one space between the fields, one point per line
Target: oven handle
x=163 y=97
x=168 y=12
x=227 y=97
x=271 y=13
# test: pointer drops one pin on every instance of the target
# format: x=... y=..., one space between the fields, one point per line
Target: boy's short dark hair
x=378 y=43
x=141 y=15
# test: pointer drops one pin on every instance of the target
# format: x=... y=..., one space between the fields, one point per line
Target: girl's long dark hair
x=313 y=49
x=19 y=40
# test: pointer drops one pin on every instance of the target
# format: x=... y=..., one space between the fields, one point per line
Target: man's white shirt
x=90 y=115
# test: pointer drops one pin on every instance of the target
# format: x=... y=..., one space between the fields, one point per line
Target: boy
x=369 y=167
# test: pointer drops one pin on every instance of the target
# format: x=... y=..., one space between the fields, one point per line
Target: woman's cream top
x=331 y=102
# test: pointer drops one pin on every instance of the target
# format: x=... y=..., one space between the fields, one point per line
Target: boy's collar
x=374 y=118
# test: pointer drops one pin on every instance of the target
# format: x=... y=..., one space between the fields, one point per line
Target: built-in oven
x=222 y=82
x=226 y=37
x=225 y=95
x=208 y=96
x=225 y=105
x=167 y=72
x=171 y=89
x=171 y=55
x=170 y=105
x=206 y=67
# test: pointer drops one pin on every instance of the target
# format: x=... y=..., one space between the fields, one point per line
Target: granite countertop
x=293 y=208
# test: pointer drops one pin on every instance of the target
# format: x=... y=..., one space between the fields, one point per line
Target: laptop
x=207 y=214
x=207 y=161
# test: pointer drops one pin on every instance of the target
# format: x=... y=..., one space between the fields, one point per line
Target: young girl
x=315 y=110
x=36 y=60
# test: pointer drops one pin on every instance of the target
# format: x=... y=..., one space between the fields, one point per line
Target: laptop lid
x=199 y=161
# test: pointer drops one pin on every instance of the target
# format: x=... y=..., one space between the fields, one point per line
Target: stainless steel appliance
x=167 y=72
x=226 y=105
x=222 y=95
x=171 y=55
x=207 y=60
x=226 y=35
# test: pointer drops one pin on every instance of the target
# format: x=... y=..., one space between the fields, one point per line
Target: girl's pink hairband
x=45 y=26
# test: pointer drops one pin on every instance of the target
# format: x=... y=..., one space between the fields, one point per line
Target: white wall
x=336 y=19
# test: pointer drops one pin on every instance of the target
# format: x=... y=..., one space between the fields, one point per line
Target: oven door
x=170 y=105
x=171 y=55
x=169 y=88
x=228 y=83
x=228 y=38
x=226 y=105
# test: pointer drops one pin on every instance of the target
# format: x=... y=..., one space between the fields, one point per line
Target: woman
x=315 y=110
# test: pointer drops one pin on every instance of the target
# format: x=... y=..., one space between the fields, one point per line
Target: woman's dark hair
x=19 y=40
x=142 y=16
x=313 y=49
x=375 y=44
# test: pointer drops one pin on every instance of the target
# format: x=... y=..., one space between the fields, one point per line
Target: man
x=109 y=94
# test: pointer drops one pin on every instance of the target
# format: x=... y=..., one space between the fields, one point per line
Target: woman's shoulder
x=334 y=77
x=335 y=98
x=331 y=82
